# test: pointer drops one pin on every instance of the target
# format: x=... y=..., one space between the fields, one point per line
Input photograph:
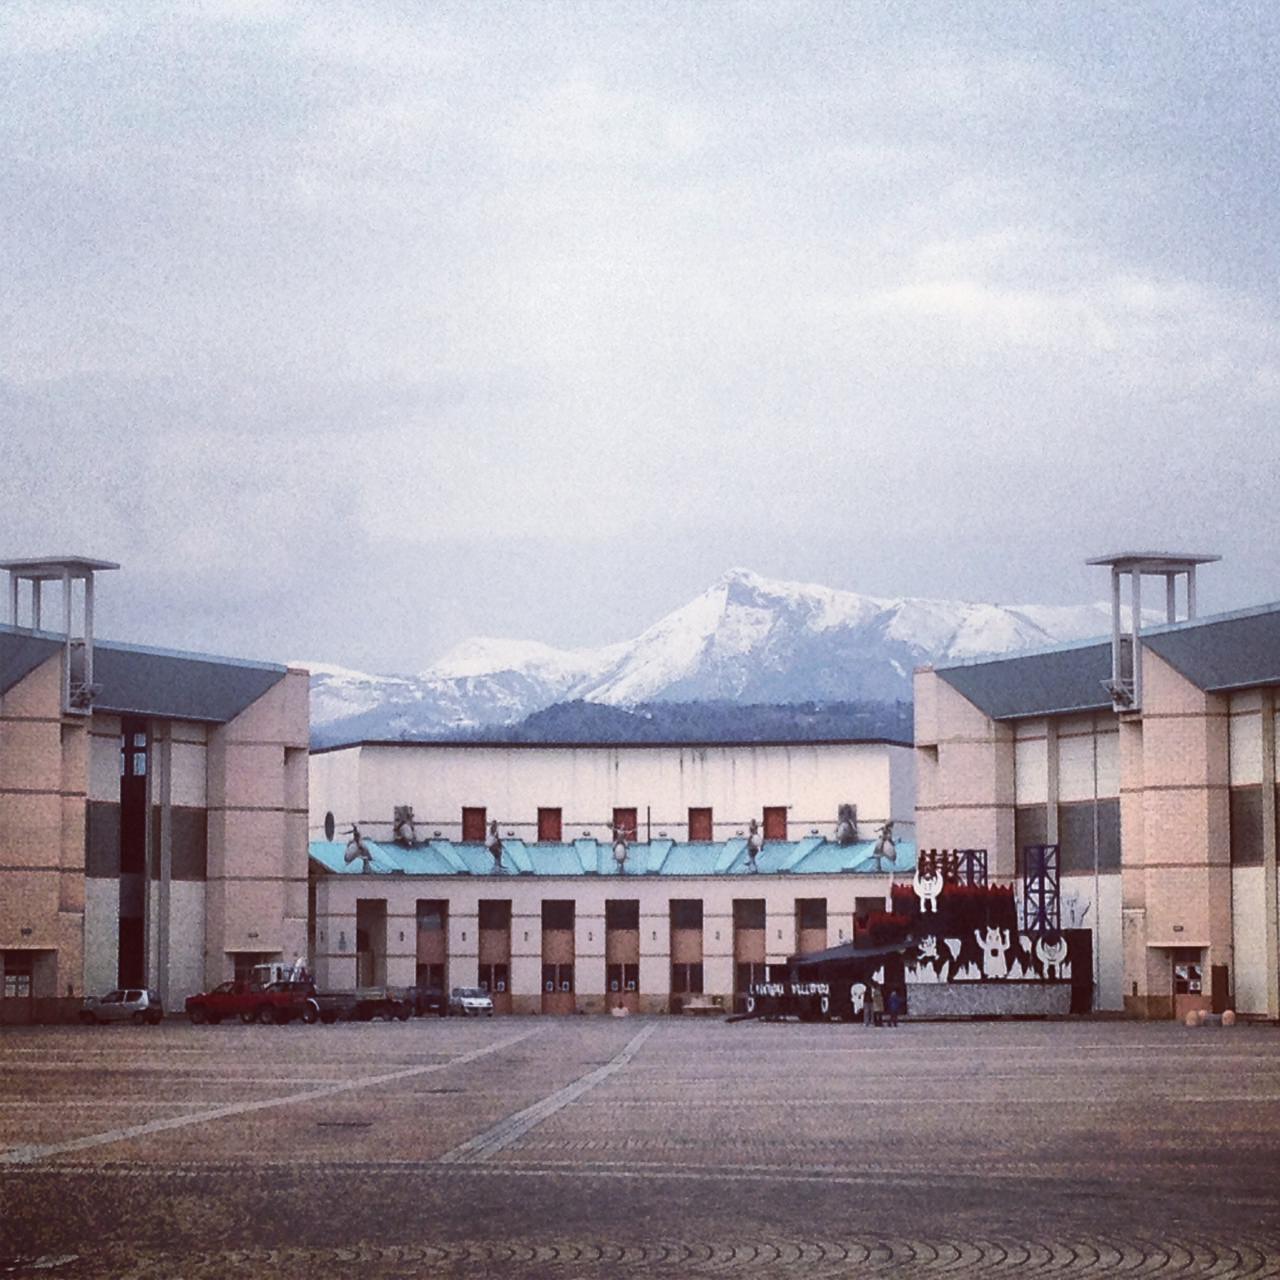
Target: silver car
x=470 y=1002
x=128 y=1004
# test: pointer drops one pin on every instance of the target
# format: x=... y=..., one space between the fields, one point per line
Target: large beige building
x=152 y=808
x=561 y=923
x=1151 y=766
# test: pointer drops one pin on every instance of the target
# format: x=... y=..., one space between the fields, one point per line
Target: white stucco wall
x=1103 y=918
x=365 y=784
x=101 y=934
x=1248 y=928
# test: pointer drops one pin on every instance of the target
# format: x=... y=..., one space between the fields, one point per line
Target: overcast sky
x=354 y=330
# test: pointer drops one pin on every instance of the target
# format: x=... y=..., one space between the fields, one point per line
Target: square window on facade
x=550 y=830
x=433 y=915
x=474 y=825
x=622 y=913
x=686 y=913
x=626 y=824
x=748 y=913
x=811 y=913
x=557 y=913
x=700 y=825
x=775 y=822
x=495 y=913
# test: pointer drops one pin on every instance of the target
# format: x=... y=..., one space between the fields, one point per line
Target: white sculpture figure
x=755 y=842
x=403 y=828
x=356 y=848
x=885 y=850
x=857 y=994
x=1051 y=956
x=620 y=849
x=994 y=946
x=928 y=887
x=493 y=842
x=847 y=824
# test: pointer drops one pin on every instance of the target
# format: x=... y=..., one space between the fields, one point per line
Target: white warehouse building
x=559 y=923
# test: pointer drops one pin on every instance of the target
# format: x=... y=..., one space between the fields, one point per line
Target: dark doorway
x=131 y=967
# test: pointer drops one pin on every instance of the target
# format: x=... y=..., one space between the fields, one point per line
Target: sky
x=355 y=330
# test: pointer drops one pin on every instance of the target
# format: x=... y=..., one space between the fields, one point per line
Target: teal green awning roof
x=587 y=857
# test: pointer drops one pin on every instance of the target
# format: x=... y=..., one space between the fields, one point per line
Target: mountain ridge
x=745 y=639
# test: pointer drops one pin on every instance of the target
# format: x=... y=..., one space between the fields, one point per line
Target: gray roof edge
x=154 y=651
x=1067 y=646
x=1103 y=705
x=1209 y=620
x=991 y=660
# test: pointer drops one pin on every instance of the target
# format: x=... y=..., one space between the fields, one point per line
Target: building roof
x=1048 y=682
x=1231 y=651
x=21 y=652
x=52 y=568
x=1228 y=651
x=135 y=680
x=1154 y=562
x=589 y=857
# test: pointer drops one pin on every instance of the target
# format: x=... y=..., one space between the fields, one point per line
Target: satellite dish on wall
x=328 y=826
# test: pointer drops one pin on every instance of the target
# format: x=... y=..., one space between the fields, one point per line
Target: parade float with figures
x=950 y=944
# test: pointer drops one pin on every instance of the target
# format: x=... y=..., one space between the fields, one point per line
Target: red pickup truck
x=278 y=1002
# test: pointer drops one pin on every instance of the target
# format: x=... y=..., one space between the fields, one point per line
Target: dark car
x=429 y=1000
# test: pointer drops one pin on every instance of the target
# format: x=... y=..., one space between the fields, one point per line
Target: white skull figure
x=857 y=993
x=929 y=948
x=927 y=886
x=994 y=945
x=1051 y=955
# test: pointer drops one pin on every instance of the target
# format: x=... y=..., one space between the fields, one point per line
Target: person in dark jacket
x=893 y=1006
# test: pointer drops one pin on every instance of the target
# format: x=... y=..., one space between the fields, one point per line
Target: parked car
x=128 y=1004
x=228 y=1000
x=428 y=1000
x=470 y=1002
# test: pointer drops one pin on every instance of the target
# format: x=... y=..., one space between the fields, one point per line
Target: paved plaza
x=616 y=1147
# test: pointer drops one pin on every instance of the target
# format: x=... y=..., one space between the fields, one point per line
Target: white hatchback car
x=470 y=1002
x=128 y=1004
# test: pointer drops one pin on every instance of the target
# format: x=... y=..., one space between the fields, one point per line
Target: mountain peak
x=746 y=639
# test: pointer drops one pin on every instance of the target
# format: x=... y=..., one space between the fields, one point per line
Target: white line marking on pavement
x=30 y=1154
x=478 y=1149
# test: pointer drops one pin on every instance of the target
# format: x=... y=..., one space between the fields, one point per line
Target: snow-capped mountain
x=746 y=639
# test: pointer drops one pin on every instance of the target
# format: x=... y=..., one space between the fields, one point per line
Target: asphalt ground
x=617 y=1147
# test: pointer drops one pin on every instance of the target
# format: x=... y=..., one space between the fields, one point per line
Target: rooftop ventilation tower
x=78 y=689
x=1125 y=685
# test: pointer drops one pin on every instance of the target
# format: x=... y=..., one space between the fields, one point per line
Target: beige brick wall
x=256 y=785
x=966 y=776
x=43 y=783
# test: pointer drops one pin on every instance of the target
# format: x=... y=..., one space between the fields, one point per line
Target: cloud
x=37 y=29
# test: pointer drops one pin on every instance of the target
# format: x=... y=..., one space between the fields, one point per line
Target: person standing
x=867 y=1005
x=877 y=1004
x=893 y=1006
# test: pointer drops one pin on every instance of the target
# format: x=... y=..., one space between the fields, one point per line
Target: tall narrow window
x=625 y=823
x=775 y=822
x=549 y=828
x=700 y=825
x=473 y=826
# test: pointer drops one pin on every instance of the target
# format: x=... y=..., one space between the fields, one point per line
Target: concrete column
x=163 y=758
x=1135 y=630
x=1051 y=782
x=1271 y=927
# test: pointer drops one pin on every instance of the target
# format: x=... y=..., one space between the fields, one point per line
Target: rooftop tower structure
x=78 y=688
x=1125 y=685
